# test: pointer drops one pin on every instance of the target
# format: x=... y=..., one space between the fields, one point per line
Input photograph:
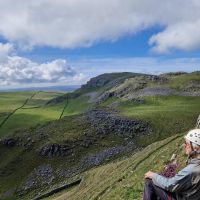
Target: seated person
x=185 y=185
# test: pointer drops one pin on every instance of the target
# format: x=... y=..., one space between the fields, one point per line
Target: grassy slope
x=41 y=98
x=77 y=106
x=123 y=179
x=179 y=83
x=166 y=114
x=11 y=100
x=24 y=118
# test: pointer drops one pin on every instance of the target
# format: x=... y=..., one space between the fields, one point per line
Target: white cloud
x=148 y=65
x=15 y=70
x=79 y=23
x=184 y=36
x=5 y=49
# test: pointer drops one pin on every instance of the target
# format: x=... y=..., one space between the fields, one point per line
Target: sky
x=66 y=42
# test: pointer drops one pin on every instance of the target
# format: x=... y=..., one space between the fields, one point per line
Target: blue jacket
x=185 y=184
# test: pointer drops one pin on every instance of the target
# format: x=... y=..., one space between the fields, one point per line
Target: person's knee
x=148 y=182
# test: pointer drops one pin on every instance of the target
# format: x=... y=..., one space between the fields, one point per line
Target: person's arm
x=177 y=183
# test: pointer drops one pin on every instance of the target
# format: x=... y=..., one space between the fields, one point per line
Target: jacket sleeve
x=179 y=182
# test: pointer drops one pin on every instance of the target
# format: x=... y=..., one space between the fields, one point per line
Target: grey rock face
x=96 y=82
x=108 y=123
x=52 y=150
x=155 y=92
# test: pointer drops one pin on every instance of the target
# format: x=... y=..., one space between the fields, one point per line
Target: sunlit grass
x=167 y=115
x=123 y=179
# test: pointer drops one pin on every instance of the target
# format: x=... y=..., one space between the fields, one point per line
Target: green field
x=10 y=101
x=40 y=99
x=32 y=113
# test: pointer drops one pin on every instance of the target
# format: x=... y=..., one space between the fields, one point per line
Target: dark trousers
x=153 y=192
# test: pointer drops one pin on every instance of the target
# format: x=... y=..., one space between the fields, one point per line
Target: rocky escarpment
x=110 y=79
x=105 y=122
x=130 y=87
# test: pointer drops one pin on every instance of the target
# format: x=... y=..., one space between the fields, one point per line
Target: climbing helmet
x=194 y=136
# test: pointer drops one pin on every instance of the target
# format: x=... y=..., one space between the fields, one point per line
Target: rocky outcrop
x=45 y=174
x=109 y=79
x=26 y=142
x=130 y=86
x=105 y=122
x=52 y=150
x=154 y=92
x=8 y=142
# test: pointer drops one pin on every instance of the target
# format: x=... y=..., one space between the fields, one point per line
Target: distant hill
x=128 y=85
x=63 y=88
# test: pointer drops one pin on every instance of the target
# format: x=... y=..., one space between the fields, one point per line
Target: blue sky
x=133 y=45
x=67 y=42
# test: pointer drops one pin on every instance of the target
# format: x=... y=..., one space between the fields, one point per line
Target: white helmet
x=194 y=136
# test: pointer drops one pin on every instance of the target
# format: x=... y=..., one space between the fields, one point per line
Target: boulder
x=9 y=142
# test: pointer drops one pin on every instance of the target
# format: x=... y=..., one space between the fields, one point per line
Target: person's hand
x=149 y=174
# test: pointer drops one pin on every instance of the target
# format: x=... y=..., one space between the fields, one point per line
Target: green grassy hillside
x=123 y=179
x=166 y=114
x=50 y=139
